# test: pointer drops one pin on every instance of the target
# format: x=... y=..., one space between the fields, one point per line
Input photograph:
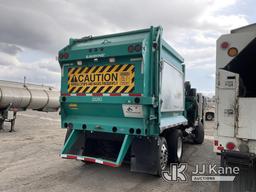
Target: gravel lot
x=30 y=161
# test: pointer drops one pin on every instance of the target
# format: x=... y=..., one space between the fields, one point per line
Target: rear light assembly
x=220 y=148
x=130 y=48
x=63 y=56
x=136 y=48
x=232 y=52
x=224 y=45
x=230 y=146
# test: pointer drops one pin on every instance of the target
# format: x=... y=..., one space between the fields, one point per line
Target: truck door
x=226 y=92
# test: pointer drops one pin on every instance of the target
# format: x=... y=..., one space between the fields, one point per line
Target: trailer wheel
x=209 y=116
x=163 y=155
x=175 y=145
x=199 y=134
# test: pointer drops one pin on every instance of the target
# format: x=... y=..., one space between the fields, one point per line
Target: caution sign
x=102 y=79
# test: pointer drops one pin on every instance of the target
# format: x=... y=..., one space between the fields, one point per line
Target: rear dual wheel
x=163 y=155
x=170 y=149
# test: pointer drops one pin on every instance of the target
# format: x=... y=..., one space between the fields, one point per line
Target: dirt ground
x=30 y=161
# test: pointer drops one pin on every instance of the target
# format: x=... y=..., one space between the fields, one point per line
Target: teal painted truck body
x=129 y=85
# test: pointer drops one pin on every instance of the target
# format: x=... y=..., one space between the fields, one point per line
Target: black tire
x=209 y=116
x=1 y=124
x=192 y=92
x=187 y=87
x=163 y=155
x=175 y=145
x=199 y=134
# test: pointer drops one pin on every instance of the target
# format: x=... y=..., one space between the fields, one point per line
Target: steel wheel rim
x=179 y=147
x=163 y=156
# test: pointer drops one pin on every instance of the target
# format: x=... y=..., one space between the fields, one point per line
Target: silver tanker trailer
x=16 y=97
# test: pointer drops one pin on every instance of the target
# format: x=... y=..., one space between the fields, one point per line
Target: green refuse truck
x=124 y=99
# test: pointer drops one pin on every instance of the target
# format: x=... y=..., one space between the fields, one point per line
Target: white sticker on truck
x=132 y=111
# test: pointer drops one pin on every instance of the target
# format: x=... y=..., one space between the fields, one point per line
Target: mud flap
x=145 y=155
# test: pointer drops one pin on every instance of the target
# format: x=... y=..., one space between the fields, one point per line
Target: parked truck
x=235 y=135
x=210 y=109
x=123 y=99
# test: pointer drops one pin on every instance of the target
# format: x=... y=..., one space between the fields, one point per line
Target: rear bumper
x=240 y=158
x=90 y=159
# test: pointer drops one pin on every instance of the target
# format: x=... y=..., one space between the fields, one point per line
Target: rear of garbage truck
x=122 y=99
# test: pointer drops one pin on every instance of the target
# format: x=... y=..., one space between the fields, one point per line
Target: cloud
x=7 y=60
x=10 y=49
x=45 y=71
x=191 y=27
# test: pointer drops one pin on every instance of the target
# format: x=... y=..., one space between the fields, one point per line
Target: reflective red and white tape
x=103 y=94
x=89 y=159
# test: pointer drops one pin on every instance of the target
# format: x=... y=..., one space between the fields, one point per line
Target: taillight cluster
x=63 y=56
x=232 y=51
x=134 y=48
x=229 y=146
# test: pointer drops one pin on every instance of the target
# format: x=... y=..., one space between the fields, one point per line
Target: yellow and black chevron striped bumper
x=102 y=79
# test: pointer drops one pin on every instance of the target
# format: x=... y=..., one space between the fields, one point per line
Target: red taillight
x=65 y=55
x=220 y=148
x=216 y=142
x=230 y=146
x=224 y=45
x=130 y=48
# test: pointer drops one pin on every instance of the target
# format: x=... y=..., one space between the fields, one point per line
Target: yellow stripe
x=99 y=69
x=75 y=90
x=120 y=89
x=105 y=88
x=107 y=68
x=71 y=71
x=129 y=88
x=89 y=90
x=82 y=90
x=98 y=86
x=84 y=70
x=112 y=89
x=69 y=74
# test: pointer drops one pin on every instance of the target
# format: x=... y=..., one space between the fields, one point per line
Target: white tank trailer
x=16 y=97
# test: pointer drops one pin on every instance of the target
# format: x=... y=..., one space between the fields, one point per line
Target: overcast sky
x=32 y=32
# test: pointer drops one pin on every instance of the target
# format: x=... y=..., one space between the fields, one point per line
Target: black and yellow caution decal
x=102 y=79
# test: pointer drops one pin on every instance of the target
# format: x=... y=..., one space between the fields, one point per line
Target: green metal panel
x=103 y=113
